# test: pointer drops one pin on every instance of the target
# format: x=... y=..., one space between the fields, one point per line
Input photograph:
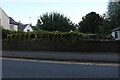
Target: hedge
x=44 y=35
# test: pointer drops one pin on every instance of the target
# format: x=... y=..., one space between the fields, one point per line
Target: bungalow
x=26 y=27
x=116 y=33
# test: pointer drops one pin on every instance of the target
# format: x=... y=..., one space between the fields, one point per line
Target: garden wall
x=79 y=46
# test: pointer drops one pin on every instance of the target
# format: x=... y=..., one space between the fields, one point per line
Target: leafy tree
x=55 y=22
x=90 y=22
x=39 y=24
x=114 y=13
x=107 y=24
x=100 y=30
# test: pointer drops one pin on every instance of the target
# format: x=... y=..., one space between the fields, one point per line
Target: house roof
x=21 y=27
x=34 y=28
x=12 y=21
x=4 y=12
x=116 y=29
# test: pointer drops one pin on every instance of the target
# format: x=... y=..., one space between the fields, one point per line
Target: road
x=18 y=68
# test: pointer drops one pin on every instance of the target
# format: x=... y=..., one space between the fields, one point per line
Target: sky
x=27 y=11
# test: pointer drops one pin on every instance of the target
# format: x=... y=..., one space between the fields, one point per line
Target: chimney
x=30 y=24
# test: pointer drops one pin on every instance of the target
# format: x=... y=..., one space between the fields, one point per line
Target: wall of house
x=13 y=27
x=113 y=35
x=118 y=35
x=16 y=27
x=4 y=19
x=28 y=28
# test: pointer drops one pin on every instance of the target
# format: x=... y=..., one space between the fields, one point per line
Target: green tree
x=114 y=14
x=107 y=24
x=55 y=22
x=100 y=30
x=39 y=23
x=90 y=22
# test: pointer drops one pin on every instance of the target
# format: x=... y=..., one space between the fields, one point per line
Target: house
x=26 y=27
x=13 y=24
x=7 y=22
x=4 y=19
x=116 y=33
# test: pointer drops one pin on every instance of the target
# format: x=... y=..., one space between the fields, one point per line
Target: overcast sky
x=73 y=9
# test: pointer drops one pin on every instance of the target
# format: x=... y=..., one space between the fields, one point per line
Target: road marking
x=61 y=62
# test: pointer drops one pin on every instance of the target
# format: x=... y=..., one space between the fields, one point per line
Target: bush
x=4 y=33
x=55 y=36
x=85 y=36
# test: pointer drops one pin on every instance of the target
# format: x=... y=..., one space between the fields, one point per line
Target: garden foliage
x=46 y=35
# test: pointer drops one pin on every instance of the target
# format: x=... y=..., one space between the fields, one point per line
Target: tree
x=55 y=22
x=39 y=23
x=100 y=30
x=90 y=22
x=114 y=14
x=106 y=24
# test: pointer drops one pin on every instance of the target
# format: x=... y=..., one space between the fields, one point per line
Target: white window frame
x=12 y=27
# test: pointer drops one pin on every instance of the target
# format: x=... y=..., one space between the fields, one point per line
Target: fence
x=64 y=45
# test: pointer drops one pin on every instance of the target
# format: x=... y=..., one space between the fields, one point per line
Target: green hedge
x=45 y=35
x=6 y=32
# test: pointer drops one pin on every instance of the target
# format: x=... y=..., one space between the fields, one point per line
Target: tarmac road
x=18 y=68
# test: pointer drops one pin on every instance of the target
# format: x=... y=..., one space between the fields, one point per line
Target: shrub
x=55 y=36
x=32 y=36
x=4 y=33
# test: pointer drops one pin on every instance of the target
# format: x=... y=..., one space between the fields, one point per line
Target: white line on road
x=61 y=62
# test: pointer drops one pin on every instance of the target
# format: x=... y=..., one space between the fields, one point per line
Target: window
x=28 y=30
x=116 y=35
x=12 y=27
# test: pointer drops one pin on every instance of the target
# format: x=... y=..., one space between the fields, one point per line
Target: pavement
x=67 y=56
